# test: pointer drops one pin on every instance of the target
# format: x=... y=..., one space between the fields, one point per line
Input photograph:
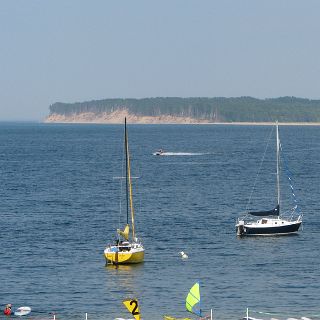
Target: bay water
x=60 y=206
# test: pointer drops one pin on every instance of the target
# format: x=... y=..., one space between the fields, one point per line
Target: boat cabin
x=124 y=246
x=270 y=221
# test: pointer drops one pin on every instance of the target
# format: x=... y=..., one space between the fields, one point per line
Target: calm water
x=60 y=207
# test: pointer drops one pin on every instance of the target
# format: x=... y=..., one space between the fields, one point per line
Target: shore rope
x=281 y=314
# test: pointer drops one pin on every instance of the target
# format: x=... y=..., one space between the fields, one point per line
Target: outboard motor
x=240 y=228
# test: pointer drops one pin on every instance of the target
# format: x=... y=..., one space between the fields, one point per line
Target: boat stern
x=118 y=255
x=240 y=227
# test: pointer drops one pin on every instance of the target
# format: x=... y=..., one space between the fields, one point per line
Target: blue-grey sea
x=60 y=200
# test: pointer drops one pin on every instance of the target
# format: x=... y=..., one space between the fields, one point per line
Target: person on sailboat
x=7 y=310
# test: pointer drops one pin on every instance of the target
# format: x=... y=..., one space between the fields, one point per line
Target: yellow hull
x=124 y=257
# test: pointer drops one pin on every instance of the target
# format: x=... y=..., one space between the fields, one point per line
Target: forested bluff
x=188 y=110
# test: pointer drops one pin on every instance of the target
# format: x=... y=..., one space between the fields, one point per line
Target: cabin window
x=264 y=221
x=275 y=223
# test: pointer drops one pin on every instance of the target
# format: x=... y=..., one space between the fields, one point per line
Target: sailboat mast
x=278 y=164
x=126 y=151
x=128 y=177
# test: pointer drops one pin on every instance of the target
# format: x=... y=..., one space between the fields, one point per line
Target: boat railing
x=246 y=219
x=292 y=215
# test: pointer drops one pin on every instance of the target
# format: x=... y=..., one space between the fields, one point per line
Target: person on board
x=7 y=310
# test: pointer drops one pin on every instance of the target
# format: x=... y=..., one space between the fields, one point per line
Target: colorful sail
x=133 y=307
x=193 y=300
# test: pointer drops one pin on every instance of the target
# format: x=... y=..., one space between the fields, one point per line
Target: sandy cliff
x=117 y=117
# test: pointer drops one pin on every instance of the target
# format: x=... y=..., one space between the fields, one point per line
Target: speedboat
x=160 y=152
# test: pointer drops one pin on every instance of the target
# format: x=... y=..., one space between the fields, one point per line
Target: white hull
x=268 y=227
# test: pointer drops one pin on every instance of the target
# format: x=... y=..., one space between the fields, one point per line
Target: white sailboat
x=127 y=249
x=271 y=222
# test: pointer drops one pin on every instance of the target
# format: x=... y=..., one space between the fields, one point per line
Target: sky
x=80 y=50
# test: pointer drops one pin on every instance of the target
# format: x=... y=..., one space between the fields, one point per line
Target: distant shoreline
x=193 y=123
x=118 y=116
x=192 y=110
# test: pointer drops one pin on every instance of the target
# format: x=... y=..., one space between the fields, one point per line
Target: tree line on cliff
x=241 y=109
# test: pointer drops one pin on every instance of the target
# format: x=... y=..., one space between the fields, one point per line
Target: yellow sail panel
x=193 y=300
x=133 y=307
x=125 y=232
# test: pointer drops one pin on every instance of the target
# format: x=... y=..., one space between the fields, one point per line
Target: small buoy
x=183 y=255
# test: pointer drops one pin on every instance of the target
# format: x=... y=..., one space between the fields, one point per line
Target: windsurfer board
x=22 y=311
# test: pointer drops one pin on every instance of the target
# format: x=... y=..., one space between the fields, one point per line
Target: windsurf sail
x=193 y=300
x=133 y=307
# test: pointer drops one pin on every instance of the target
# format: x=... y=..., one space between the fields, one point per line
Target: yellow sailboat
x=127 y=249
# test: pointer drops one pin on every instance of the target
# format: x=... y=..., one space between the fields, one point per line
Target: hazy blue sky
x=74 y=50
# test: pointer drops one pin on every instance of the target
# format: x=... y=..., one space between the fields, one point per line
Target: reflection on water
x=123 y=278
x=122 y=268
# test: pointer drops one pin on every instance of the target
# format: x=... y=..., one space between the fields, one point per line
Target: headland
x=242 y=110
